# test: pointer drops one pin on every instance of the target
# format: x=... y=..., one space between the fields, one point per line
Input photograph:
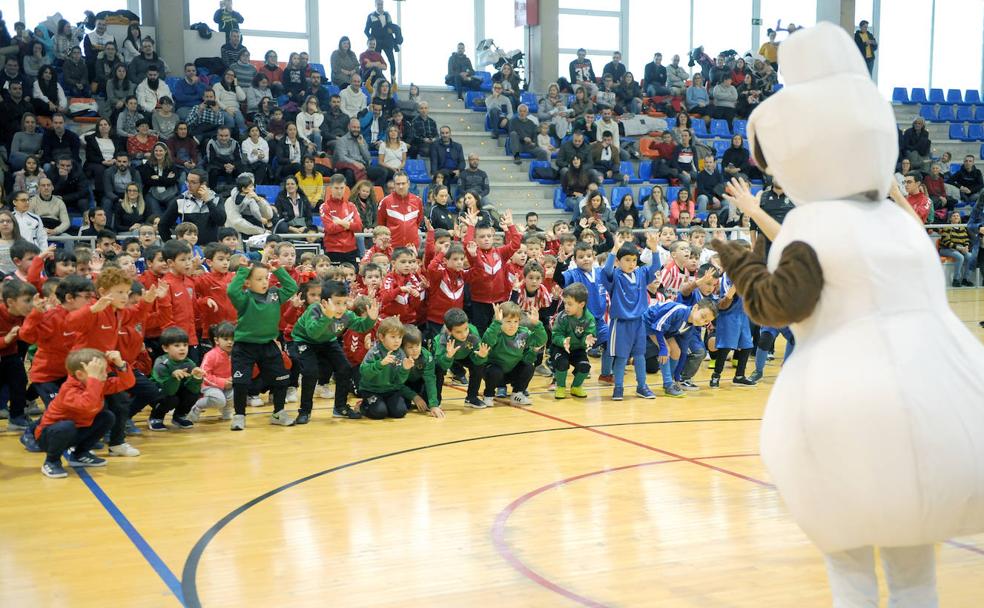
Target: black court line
x=189 y=584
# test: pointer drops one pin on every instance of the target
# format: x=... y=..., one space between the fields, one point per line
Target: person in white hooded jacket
x=246 y=211
x=150 y=91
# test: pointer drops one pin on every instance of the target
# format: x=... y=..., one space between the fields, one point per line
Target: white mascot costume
x=874 y=431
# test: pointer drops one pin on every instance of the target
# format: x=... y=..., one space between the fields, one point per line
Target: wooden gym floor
x=590 y=503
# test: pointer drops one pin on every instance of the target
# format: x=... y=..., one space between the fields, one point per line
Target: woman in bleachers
x=471 y=202
x=698 y=100
x=552 y=109
x=164 y=120
x=160 y=180
x=294 y=80
x=736 y=161
x=628 y=95
x=363 y=196
x=131 y=211
x=582 y=103
x=627 y=208
x=262 y=116
x=228 y=94
x=344 y=63
x=575 y=183
x=655 y=206
x=748 y=97
x=292 y=149
x=49 y=97
x=9 y=233
x=256 y=155
x=27 y=178
x=26 y=142
x=595 y=211
x=682 y=203
x=294 y=211
x=131 y=45
x=392 y=153
x=311 y=182
x=66 y=38
x=36 y=60
x=100 y=154
x=509 y=80
x=141 y=144
x=384 y=97
x=259 y=89
x=271 y=69
x=118 y=89
x=309 y=121
x=183 y=148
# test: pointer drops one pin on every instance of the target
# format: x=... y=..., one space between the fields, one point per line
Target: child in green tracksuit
x=421 y=385
x=574 y=332
x=459 y=342
x=179 y=379
x=513 y=351
x=384 y=372
x=256 y=333
x=320 y=355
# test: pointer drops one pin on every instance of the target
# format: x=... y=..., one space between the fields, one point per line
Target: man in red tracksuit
x=178 y=277
x=76 y=418
x=341 y=222
x=487 y=272
x=402 y=213
x=400 y=294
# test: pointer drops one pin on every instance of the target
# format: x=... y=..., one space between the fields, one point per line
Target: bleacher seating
x=954 y=96
x=626 y=168
x=471 y=97
x=618 y=193
x=975 y=132
x=720 y=147
x=417 y=171
x=928 y=113
x=900 y=95
x=700 y=129
x=530 y=100
x=719 y=128
x=957 y=132
x=936 y=96
x=918 y=95
x=559 y=198
x=317 y=67
x=740 y=127
x=946 y=114
x=541 y=163
x=965 y=114
x=972 y=97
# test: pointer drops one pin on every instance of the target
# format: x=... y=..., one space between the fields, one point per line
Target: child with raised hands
x=180 y=380
x=670 y=325
x=574 y=332
x=513 y=350
x=460 y=343
x=384 y=372
x=421 y=384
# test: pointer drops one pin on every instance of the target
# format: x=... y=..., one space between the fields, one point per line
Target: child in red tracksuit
x=355 y=343
x=487 y=273
x=447 y=286
x=341 y=222
x=153 y=275
x=134 y=351
x=211 y=299
x=53 y=337
x=76 y=418
x=400 y=294
x=382 y=244
x=177 y=254
x=18 y=300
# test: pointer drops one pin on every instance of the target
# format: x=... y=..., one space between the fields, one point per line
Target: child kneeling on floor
x=180 y=381
x=217 y=365
x=383 y=373
x=421 y=385
x=76 y=418
x=514 y=344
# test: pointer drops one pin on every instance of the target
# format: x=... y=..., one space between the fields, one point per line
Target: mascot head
x=828 y=134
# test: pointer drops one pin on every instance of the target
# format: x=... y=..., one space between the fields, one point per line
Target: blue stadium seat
x=617 y=194
x=975 y=132
x=671 y=193
x=521 y=154
x=417 y=171
x=936 y=96
x=918 y=95
x=559 y=199
x=268 y=192
x=928 y=113
x=541 y=163
x=317 y=221
x=470 y=98
x=965 y=114
x=332 y=89
x=644 y=192
x=719 y=128
x=530 y=100
x=972 y=97
x=900 y=95
x=646 y=170
x=317 y=67
x=954 y=96
x=946 y=114
x=740 y=127
x=171 y=82
x=670 y=122
x=776 y=88
x=720 y=146
x=700 y=128
x=626 y=168
x=954 y=167
x=979 y=114
x=957 y=132
x=486 y=81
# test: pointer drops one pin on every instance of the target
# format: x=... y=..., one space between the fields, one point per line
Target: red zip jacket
x=98 y=330
x=419 y=280
x=395 y=303
x=402 y=216
x=289 y=314
x=160 y=312
x=217 y=366
x=81 y=402
x=182 y=305
x=447 y=289
x=130 y=340
x=35 y=273
x=213 y=285
x=338 y=239
x=487 y=275
x=388 y=252
x=354 y=344
x=54 y=339
x=514 y=274
x=8 y=322
x=302 y=277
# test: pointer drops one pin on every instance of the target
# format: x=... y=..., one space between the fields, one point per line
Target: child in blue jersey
x=586 y=274
x=628 y=285
x=691 y=350
x=733 y=331
x=670 y=325
x=766 y=340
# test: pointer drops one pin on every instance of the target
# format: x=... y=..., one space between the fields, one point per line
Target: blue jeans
x=963 y=262
x=654 y=90
x=236 y=119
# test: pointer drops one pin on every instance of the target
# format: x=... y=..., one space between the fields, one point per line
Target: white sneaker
x=123 y=449
x=489 y=401
x=195 y=414
x=543 y=370
x=292 y=395
x=238 y=423
x=227 y=411
x=325 y=391
x=282 y=418
x=255 y=401
x=521 y=399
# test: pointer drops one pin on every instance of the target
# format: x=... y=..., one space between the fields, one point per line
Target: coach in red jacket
x=402 y=213
x=341 y=222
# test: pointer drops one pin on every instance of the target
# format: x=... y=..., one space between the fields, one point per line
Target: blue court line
x=138 y=541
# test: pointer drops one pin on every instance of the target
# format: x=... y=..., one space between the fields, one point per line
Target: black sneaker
x=688 y=385
x=54 y=470
x=516 y=160
x=181 y=423
x=460 y=380
x=85 y=459
x=955 y=283
x=715 y=380
x=964 y=282
x=475 y=403
x=302 y=418
x=19 y=423
x=743 y=381
x=29 y=442
x=345 y=412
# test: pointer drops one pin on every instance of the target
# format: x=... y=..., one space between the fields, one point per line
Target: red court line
x=499 y=527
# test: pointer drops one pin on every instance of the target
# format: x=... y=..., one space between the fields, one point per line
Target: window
x=957 y=45
x=11 y=14
x=500 y=25
x=657 y=27
x=594 y=33
x=903 y=46
x=259 y=45
x=431 y=40
x=720 y=25
x=289 y=16
x=864 y=10
x=74 y=12
x=801 y=12
x=591 y=5
x=342 y=19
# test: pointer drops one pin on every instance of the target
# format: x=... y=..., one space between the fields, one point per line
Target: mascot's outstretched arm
x=775 y=299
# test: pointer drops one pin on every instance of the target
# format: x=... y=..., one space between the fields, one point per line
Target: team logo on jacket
x=495 y=266
x=402 y=299
x=339 y=326
x=450 y=292
x=518 y=341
